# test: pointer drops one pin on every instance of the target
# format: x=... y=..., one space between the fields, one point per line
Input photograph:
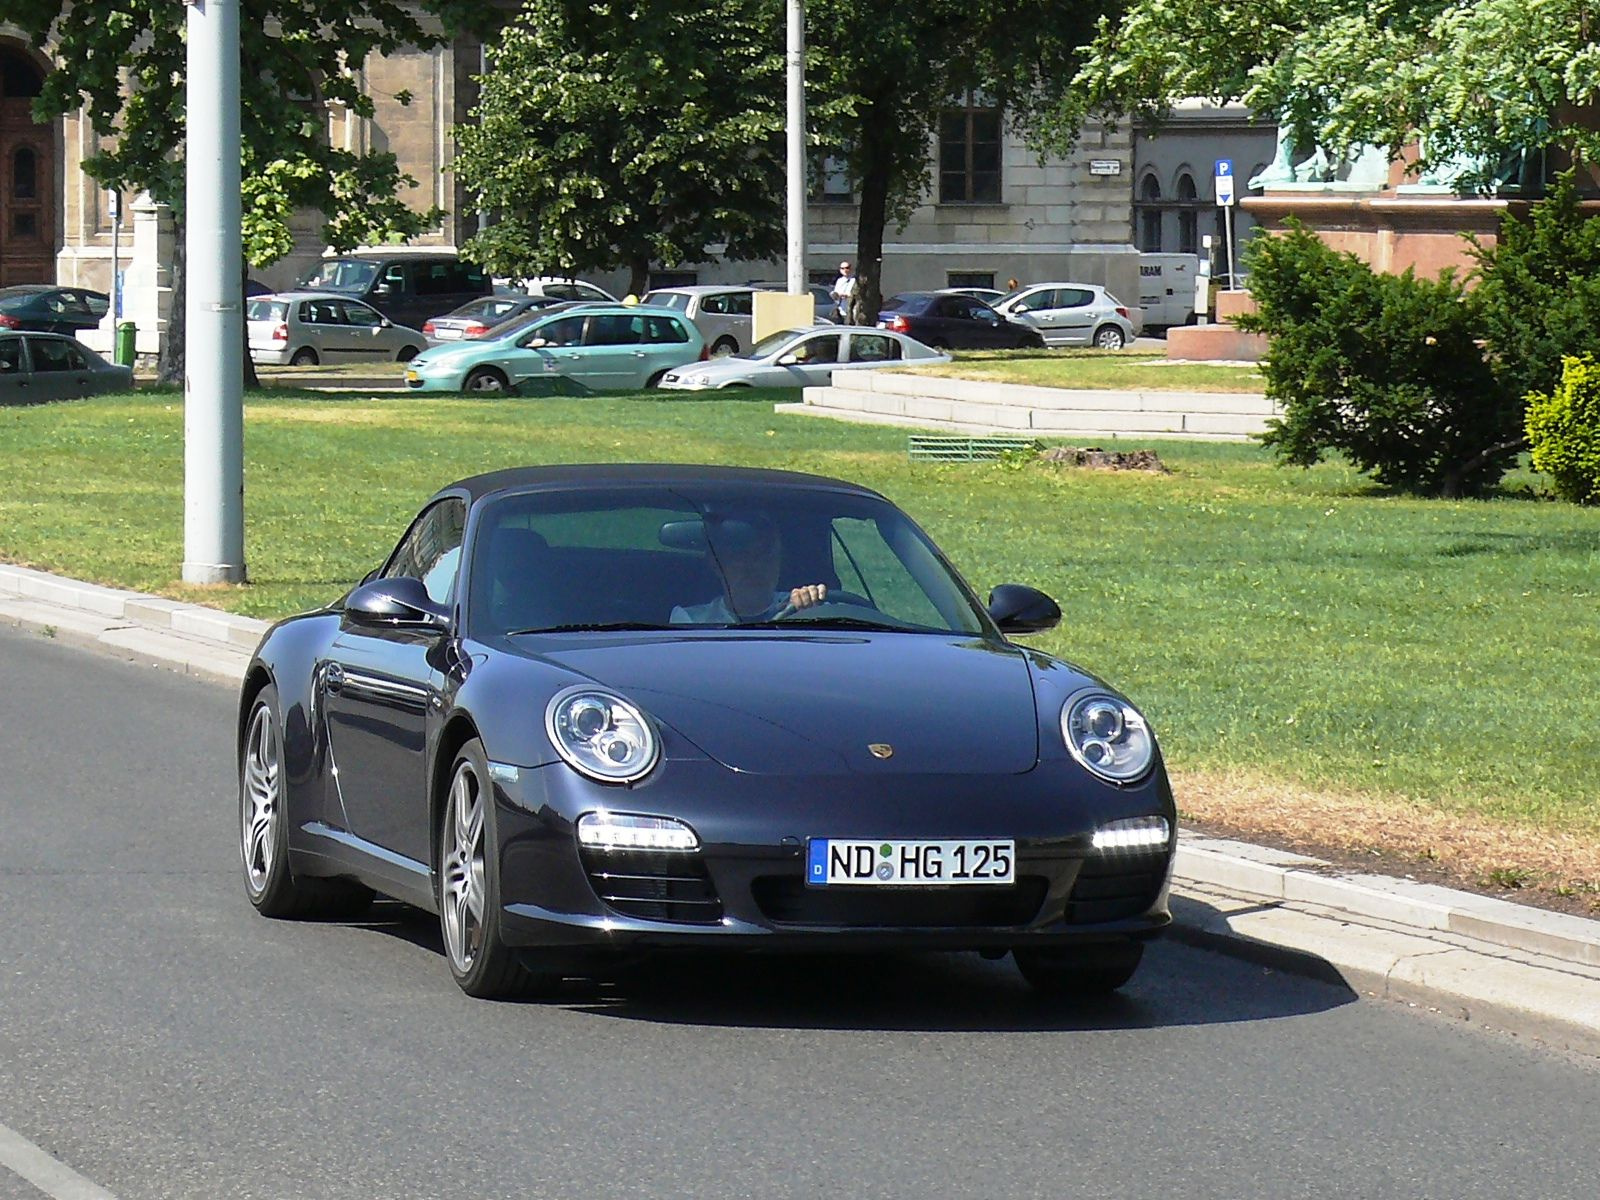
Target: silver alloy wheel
x=259 y=796
x=485 y=381
x=1109 y=338
x=462 y=892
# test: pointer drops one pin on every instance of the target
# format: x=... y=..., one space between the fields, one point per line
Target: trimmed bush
x=1564 y=431
x=1385 y=369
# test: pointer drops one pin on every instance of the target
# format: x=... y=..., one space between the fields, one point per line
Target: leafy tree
x=614 y=133
x=123 y=63
x=885 y=73
x=1476 y=79
x=1386 y=369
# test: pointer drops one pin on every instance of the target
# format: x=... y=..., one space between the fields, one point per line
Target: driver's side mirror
x=384 y=323
x=1019 y=609
x=383 y=289
x=534 y=343
x=788 y=360
x=401 y=602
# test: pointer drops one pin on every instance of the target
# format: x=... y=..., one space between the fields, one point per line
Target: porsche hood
x=803 y=703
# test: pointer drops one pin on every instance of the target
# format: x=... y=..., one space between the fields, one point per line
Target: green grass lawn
x=1297 y=623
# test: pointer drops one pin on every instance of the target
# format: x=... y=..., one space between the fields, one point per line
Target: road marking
x=51 y=1176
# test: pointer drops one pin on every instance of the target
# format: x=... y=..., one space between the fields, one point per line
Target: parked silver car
x=301 y=329
x=1073 y=314
x=36 y=367
x=721 y=312
x=805 y=358
x=477 y=318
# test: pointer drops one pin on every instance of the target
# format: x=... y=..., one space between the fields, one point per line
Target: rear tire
x=655 y=380
x=269 y=878
x=1079 y=971
x=724 y=347
x=304 y=357
x=1109 y=337
x=485 y=379
x=468 y=888
x=407 y=353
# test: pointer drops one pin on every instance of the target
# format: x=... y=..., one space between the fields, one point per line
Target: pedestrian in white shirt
x=844 y=290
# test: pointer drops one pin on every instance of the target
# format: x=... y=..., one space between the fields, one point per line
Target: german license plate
x=833 y=861
x=447 y=334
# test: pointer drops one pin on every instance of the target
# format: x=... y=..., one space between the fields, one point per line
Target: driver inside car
x=747 y=554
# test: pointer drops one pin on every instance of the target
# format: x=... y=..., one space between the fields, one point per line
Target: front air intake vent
x=653 y=885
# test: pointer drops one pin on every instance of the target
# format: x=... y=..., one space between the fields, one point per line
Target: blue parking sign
x=1224 y=181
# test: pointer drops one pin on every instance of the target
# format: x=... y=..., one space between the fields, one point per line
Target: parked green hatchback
x=600 y=347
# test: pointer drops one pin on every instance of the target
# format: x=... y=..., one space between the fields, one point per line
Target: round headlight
x=602 y=735
x=1108 y=736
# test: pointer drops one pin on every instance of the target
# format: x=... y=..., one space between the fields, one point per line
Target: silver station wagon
x=302 y=329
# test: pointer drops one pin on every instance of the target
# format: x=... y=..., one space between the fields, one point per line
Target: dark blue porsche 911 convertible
x=587 y=711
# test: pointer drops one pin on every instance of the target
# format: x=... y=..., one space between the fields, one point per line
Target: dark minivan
x=407 y=287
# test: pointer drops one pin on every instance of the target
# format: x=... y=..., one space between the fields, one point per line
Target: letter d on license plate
x=833 y=861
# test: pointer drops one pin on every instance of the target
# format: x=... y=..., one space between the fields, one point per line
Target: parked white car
x=805 y=358
x=301 y=329
x=559 y=289
x=721 y=312
x=1073 y=314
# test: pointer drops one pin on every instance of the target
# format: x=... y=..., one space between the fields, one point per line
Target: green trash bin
x=124 y=351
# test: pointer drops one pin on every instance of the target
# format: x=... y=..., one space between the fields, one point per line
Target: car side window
x=395 y=279
x=431 y=549
x=1074 y=297
x=51 y=355
x=10 y=355
x=584 y=292
x=614 y=329
x=564 y=291
x=1036 y=300
x=873 y=347
x=664 y=331
x=822 y=349
x=714 y=304
x=360 y=314
x=566 y=332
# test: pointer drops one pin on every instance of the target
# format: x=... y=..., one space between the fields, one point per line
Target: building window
x=24 y=175
x=1149 y=215
x=969 y=155
x=969 y=279
x=831 y=181
x=1188 y=216
x=671 y=279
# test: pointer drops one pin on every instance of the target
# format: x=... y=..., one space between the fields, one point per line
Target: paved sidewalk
x=1508 y=966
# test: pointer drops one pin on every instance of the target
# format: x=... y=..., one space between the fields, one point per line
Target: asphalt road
x=158 y=1039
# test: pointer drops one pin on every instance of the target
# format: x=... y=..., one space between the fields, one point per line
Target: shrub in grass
x=1386 y=369
x=1564 y=431
x=1539 y=290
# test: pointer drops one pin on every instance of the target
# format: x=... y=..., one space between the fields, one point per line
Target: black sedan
x=587 y=711
x=951 y=321
x=39 y=367
x=45 y=308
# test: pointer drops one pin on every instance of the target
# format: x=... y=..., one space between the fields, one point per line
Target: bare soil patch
x=1550 y=869
x=1094 y=458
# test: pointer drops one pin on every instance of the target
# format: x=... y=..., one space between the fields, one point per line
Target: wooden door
x=27 y=178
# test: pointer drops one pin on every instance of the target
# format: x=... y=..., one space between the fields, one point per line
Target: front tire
x=485 y=379
x=1079 y=972
x=468 y=882
x=269 y=878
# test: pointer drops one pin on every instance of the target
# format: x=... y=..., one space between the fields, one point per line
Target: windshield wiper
x=589 y=627
x=826 y=623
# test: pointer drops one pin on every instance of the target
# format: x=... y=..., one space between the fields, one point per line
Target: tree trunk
x=169 y=365
x=877 y=164
x=638 y=277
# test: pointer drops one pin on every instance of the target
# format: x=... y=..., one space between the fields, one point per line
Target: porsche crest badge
x=881 y=749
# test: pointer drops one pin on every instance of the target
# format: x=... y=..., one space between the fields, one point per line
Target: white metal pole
x=796 y=60
x=114 y=198
x=213 y=384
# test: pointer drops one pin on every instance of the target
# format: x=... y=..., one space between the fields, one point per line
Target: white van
x=1166 y=289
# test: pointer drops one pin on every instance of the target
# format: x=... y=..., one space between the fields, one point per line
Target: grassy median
x=1302 y=642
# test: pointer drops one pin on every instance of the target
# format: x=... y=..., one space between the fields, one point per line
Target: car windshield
x=267 y=310
x=714 y=555
x=339 y=275
x=771 y=343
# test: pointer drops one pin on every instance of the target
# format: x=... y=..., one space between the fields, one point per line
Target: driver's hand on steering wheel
x=806 y=595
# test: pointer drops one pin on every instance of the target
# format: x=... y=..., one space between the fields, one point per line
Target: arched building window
x=1188 y=216
x=1149 y=214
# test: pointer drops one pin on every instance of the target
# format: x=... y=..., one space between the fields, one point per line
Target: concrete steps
x=972 y=406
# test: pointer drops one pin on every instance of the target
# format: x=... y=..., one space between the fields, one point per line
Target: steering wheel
x=840 y=599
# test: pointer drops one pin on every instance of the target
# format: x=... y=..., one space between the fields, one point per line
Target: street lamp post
x=796 y=128
x=213 y=377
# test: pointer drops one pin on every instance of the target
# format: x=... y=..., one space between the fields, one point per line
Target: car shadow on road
x=1184 y=980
